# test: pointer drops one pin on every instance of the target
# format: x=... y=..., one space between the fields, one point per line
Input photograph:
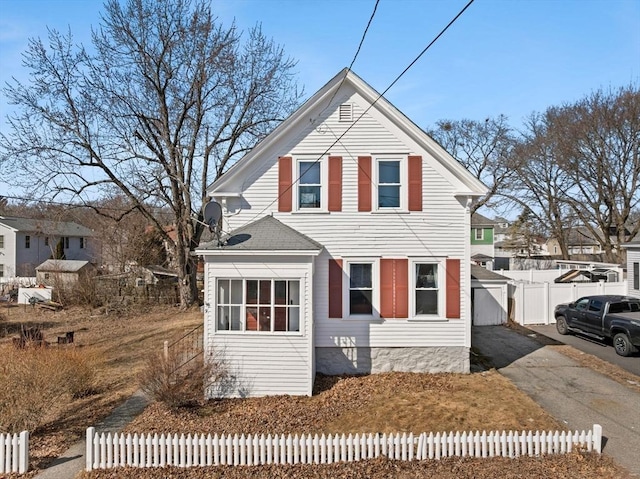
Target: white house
x=345 y=249
x=25 y=243
x=633 y=266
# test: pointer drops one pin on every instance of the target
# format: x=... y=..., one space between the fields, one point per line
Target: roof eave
x=253 y=252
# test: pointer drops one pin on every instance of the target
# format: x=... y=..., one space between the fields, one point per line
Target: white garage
x=489 y=297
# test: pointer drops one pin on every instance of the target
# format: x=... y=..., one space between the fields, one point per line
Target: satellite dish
x=212 y=213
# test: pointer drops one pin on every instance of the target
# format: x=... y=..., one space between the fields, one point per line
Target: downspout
x=467 y=272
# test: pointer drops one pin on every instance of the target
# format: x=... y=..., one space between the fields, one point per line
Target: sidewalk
x=72 y=461
x=575 y=395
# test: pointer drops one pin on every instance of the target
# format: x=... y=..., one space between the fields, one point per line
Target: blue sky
x=508 y=57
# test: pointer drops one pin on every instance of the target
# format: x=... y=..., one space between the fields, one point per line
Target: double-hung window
x=479 y=233
x=1 y=241
x=262 y=305
x=389 y=184
x=27 y=241
x=426 y=289
x=360 y=289
x=309 y=184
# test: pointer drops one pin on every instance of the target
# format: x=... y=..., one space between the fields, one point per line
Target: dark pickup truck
x=603 y=317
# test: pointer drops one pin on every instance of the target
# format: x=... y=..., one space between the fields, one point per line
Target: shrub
x=37 y=383
x=171 y=380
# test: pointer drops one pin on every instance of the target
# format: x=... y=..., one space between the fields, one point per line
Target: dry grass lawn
x=394 y=402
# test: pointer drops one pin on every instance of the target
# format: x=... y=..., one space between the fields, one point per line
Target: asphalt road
x=575 y=395
x=599 y=349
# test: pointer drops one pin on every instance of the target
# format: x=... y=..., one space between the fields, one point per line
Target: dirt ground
x=394 y=402
x=118 y=342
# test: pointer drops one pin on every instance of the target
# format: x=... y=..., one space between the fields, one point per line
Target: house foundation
x=365 y=360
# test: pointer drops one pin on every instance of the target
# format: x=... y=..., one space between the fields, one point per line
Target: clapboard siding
x=268 y=366
x=264 y=363
x=439 y=231
x=633 y=257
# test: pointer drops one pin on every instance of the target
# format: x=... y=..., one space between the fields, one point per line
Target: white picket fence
x=105 y=451
x=14 y=452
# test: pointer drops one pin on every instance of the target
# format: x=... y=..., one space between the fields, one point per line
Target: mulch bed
x=571 y=466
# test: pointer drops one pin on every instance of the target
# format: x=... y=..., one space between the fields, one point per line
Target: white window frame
x=403 y=183
x=324 y=185
x=441 y=288
x=375 y=286
x=243 y=307
x=479 y=237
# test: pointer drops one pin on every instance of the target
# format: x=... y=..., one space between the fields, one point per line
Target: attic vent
x=346 y=112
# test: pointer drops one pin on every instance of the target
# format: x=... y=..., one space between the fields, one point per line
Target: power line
x=380 y=95
x=364 y=34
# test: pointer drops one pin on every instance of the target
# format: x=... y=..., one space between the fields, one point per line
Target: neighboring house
x=347 y=249
x=26 y=243
x=633 y=266
x=580 y=241
x=63 y=274
x=482 y=238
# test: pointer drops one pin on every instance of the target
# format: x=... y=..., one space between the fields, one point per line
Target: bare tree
x=483 y=147
x=599 y=147
x=541 y=184
x=162 y=104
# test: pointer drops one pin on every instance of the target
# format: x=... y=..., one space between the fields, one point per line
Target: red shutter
x=394 y=288
x=284 y=183
x=386 y=288
x=453 y=288
x=402 y=288
x=335 y=288
x=364 y=183
x=415 y=183
x=335 y=183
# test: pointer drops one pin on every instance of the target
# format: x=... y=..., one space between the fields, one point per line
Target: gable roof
x=478 y=220
x=226 y=186
x=47 y=227
x=265 y=234
x=482 y=274
x=634 y=243
x=62 y=265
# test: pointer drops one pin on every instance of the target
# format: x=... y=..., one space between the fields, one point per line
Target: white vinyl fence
x=105 y=451
x=534 y=303
x=14 y=452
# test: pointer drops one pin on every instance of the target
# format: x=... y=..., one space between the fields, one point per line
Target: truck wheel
x=561 y=325
x=623 y=345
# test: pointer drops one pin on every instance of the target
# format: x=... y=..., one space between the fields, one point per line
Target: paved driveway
x=575 y=395
x=602 y=350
